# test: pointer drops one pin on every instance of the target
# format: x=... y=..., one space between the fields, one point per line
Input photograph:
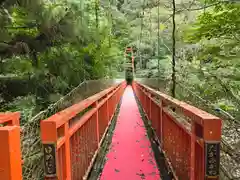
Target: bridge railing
x=30 y=134
x=10 y=150
x=189 y=137
x=72 y=137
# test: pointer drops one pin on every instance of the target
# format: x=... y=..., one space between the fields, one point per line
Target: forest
x=48 y=47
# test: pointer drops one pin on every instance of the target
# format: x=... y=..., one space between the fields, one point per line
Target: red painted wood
x=130 y=155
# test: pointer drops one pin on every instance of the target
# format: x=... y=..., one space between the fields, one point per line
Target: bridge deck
x=130 y=155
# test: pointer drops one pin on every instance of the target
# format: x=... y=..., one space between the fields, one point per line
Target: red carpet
x=130 y=156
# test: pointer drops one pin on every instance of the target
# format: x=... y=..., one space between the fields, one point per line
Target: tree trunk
x=158 y=43
x=110 y=24
x=35 y=59
x=97 y=22
x=173 y=51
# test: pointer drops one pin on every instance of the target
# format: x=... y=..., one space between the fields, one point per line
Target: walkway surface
x=130 y=156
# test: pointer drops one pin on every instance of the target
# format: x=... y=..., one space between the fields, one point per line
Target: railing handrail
x=65 y=115
x=197 y=114
x=11 y=118
x=61 y=100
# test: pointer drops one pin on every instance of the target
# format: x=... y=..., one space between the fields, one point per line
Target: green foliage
x=26 y=105
x=207 y=44
x=57 y=45
x=61 y=43
x=216 y=33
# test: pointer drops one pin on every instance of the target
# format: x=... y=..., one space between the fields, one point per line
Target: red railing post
x=192 y=160
x=10 y=151
x=212 y=139
x=67 y=169
x=150 y=105
x=161 y=122
x=49 y=138
x=97 y=121
x=108 y=116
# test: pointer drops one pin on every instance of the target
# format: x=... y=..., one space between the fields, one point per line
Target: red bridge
x=122 y=133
